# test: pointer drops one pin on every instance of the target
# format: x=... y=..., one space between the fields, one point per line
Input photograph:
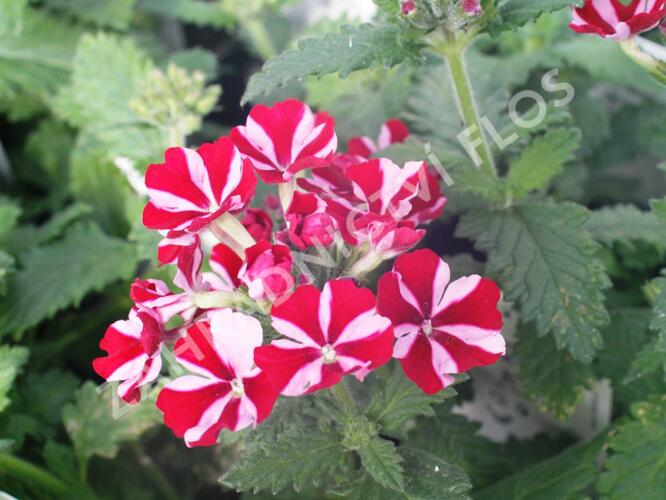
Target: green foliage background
x=573 y=229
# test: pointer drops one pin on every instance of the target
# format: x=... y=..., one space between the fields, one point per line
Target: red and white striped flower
x=283 y=139
x=615 y=20
x=133 y=354
x=328 y=334
x=472 y=7
x=383 y=192
x=429 y=202
x=441 y=328
x=169 y=248
x=333 y=180
x=393 y=131
x=193 y=188
x=155 y=295
x=267 y=271
x=308 y=224
x=225 y=390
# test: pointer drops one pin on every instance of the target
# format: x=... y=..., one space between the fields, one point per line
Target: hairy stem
x=453 y=52
x=31 y=474
x=341 y=392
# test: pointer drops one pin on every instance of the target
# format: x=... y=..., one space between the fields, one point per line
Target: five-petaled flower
x=193 y=188
x=285 y=139
x=615 y=20
x=328 y=334
x=441 y=328
x=134 y=356
x=225 y=389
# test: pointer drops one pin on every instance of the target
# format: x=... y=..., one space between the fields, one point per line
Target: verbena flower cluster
x=249 y=321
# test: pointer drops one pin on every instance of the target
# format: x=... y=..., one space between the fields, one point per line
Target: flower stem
x=651 y=56
x=453 y=52
x=341 y=392
x=286 y=193
x=31 y=474
x=230 y=231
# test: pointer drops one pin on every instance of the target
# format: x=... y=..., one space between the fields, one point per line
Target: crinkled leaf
x=544 y=259
x=637 y=463
x=353 y=48
x=658 y=323
x=395 y=400
x=541 y=161
x=382 y=462
x=29 y=236
x=515 y=13
x=106 y=75
x=626 y=223
x=115 y=14
x=9 y=215
x=299 y=456
x=11 y=361
x=93 y=427
x=61 y=460
x=197 y=59
x=456 y=440
x=37 y=59
x=198 y=12
x=565 y=475
x=427 y=477
x=59 y=275
x=551 y=376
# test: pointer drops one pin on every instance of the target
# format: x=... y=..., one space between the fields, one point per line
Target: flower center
x=328 y=353
x=427 y=327
x=237 y=387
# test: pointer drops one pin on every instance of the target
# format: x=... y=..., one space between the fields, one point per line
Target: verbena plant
x=458 y=186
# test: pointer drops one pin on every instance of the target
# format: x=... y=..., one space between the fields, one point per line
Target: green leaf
x=427 y=477
x=93 y=427
x=544 y=259
x=607 y=62
x=60 y=275
x=382 y=462
x=6 y=267
x=658 y=323
x=456 y=440
x=106 y=75
x=11 y=361
x=626 y=223
x=565 y=475
x=38 y=59
x=515 y=13
x=299 y=456
x=11 y=16
x=550 y=376
x=197 y=59
x=395 y=400
x=98 y=183
x=198 y=12
x=541 y=161
x=9 y=215
x=60 y=459
x=115 y=14
x=29 y=236
x=353 y=48
x=637 y=463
